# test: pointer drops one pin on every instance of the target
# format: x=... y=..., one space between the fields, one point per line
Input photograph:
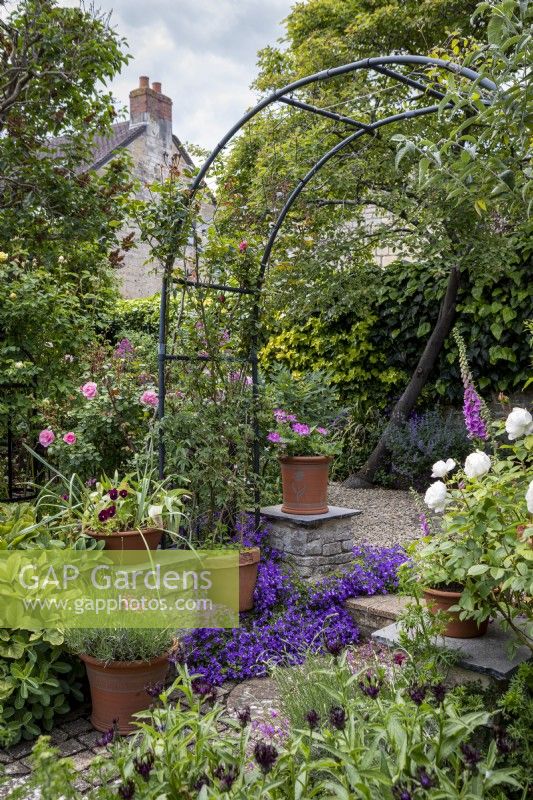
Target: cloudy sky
x=202 y=51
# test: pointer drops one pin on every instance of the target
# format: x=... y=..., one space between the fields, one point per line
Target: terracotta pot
x=305 y=484
x=440 y=600
x=118 y=689
x=248 y=566
x=130 y=540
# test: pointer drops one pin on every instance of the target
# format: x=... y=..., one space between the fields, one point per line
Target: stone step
x=484 y=659
x=372 y=613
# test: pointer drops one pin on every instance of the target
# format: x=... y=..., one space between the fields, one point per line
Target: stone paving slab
x=486 y=655
x=309 y=520
x=372 y=613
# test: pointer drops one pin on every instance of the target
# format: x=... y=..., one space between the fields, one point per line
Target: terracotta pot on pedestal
x=305 y=484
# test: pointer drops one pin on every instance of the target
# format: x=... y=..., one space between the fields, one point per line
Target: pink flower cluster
x=149 y=398
x=48 y=437
x=300 y=428
x=89 y=390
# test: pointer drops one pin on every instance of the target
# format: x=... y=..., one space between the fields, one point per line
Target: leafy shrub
x=416 y=444
x=37 y=683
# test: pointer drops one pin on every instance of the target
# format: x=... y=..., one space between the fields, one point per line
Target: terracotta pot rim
x=312 y=459
x=441 y=593
x=126 y=534
x=253 y=553
x=96 y=662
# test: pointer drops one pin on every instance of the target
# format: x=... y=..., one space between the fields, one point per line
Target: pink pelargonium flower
x=149 y=398
x=323 y=431
x=69 y=438
x=89 y=390
x=301 y=429
x=243 y=246
x=274 y=437
x=46 y=437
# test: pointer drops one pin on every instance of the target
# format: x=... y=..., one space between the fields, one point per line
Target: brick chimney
x=149 y=105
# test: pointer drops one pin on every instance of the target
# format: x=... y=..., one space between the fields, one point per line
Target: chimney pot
x=144 y=82
x=156 y=87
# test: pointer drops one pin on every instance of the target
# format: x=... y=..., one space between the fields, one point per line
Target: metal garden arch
x=379 y=65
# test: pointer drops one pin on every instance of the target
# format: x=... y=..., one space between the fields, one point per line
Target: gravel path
x=389 y=516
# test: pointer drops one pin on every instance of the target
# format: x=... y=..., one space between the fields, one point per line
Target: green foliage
x=310 y=396
x=368 y=748
x=59 y=226
x=38 y=682
x=516 y=707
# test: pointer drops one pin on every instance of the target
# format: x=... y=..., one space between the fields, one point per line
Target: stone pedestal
x=316 y=545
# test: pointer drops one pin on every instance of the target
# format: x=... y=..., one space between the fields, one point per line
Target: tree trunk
x=407 y=401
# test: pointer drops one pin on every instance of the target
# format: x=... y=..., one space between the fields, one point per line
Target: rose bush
x=484 y=544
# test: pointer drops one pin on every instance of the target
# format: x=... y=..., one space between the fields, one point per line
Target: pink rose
x=89 y=390
x=149 y=398
x=243 y=246
x=69 y=438
x=46 y=437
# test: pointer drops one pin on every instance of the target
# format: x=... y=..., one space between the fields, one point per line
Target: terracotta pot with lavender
x=305 y=453
x=126 y=669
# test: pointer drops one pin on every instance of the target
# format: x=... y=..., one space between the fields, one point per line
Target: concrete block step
x=372 y=613
x=485 y=659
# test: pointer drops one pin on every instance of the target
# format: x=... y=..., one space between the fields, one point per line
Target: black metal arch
x=284 y=95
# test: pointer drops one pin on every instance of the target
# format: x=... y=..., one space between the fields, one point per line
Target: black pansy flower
x=103 y=516
x=144 y=765
x=111 y=511
x=127 y=790
x=471 y=756
x=417 y=693
x=265 y=754
x=313 y=719
x=244 y=716
x=123 y=493
x=113 y=494
x=337 y=717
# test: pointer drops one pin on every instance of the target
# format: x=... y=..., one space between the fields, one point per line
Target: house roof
x=105 y=146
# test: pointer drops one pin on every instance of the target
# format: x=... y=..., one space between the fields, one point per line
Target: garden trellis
x=379 y=65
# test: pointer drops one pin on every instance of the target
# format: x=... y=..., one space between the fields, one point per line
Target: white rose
x=477 y=464
x=436 y=496
x=529 y=498
x=441 y=468
x=519 y=423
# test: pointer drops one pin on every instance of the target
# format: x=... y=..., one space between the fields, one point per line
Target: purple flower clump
x=288 y=621
x=475 y=424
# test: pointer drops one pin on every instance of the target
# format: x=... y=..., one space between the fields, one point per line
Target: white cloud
x=202 y=51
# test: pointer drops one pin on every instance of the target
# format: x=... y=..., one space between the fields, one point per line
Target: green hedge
x=371 y=359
